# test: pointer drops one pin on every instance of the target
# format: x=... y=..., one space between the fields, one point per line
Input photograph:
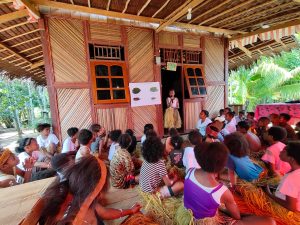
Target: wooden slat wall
x=140 y=54
x=215 y=100
x=214 y=59
x=191 y=41
x=67 y=48
x=113 y=118
x=102 y=31
x=143 y=115
x=74 y=109
x=191 y=116
x=165 y=38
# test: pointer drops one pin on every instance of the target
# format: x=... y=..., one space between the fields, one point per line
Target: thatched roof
x=20 y=43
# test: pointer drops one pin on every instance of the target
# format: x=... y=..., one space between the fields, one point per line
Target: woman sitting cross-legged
x=154 y=171
x=121 y=166
x=76 y=199
x=203 y=194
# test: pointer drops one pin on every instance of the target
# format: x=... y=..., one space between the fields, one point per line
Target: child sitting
x=121 y=166
x=212 y=133
x=154 y=171
x=98 y=132
x=113 y=138
x=252 y=139
x=71 y=143
x=46 y=140
x=85 y=139
x=238 y=161
x=189 y=160
x=262 y=129
x=288 y=191
x=147 y=127
x=8 y=162
x=169 y=147
x=177 y=153
x=274 y=119
x=132 y=146
x=271 y=157
x=203 y=194
x=284 y=118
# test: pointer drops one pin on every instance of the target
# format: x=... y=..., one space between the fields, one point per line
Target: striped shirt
x=151 y=175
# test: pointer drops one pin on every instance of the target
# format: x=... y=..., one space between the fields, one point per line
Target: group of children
x=249 y=150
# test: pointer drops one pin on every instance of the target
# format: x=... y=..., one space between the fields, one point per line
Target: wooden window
x=195 y=80
x=110 y=84
x=170 y=55
x=104 y=52
x=192 y=57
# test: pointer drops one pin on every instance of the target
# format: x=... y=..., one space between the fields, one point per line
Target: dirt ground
x=9 y=137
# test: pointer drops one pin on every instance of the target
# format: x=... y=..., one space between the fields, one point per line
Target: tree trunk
x=31 y=112
x=17 y=122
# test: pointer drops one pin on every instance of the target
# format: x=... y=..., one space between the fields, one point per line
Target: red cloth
x=293 y=109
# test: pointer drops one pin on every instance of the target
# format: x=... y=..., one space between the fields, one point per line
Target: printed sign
x=143 y=94
x=171 y=66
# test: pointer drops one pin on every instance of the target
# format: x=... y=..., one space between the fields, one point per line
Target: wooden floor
x=17 y=201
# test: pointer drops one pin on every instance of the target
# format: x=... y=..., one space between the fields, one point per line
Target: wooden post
x=226 y=46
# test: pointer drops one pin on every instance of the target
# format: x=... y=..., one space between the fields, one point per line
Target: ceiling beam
x=226 y=11
x=161 y=8
x=5 y=1
x=31 y=8
x=178 y=15
x=108 y=5
x=24 y=42
x=12 y=16
x=126 y=5
x=144 y=6
x=177 y=10
x=89 y=3
x=243 y=12
x=37 y=64
x=13 y=52
x=247 y=52
x=210 y=10
x=28 y=49
x=14 y=26
x=20 y=35
x=259 y=31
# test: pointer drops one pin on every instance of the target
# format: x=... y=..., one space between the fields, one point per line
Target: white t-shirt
x=68 y=146
x=112 y=150
x=82 y=151
x=201 y=126
x=22 y=156
x=189 y=160
x=272 y=156
x=290 y=186
x=230 y=127
x=46 y=142
x=143 y=138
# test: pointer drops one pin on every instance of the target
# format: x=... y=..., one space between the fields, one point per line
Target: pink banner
x=293 y=109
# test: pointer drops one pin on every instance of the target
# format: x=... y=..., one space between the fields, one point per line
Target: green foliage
x=270 y=79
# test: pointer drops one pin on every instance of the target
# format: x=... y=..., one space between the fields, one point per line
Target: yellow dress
x=172 y=117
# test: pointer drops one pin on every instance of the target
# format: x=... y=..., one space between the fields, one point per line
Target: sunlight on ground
x=9 y=139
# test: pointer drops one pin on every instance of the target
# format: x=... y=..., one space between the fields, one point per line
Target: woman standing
x=172 y=117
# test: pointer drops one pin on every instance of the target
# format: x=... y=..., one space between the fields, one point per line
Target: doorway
x=172 y=80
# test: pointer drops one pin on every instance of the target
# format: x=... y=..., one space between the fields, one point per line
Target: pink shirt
x=173 y=103
x=290 y=186
x=272 y=156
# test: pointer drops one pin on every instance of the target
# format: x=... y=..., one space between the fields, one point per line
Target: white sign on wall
x=147 y=93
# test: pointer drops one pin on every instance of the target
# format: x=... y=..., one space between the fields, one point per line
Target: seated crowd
x=248 y=149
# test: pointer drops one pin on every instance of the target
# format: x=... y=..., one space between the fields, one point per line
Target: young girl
x=71 y=143
x=113 y=138
x=177 y=153
x=121 y=166
x=168 y=146
x=203 y=194
x=154 y=171
x=238 y=161
x=85 y=139
x=8 y=163
x=288 y=191
x=203 y=122
x=47 y=141
x=172 y=117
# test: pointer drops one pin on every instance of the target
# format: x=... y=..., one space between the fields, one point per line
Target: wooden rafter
x=195 y=9
x=180 y=8
x=72 y=2
x=259 y=46
x=8 y=57
x=5 y=1
x=37 y=64
x=226 y=11
x=249 y=21
x=15 y=60
x=20 y=35
x=13 y=15
x=247 y=52
x=144 y=6
x=126 y=5
x=259 y=31
x=32 y=8
x=242 y=12
x=37 y=57
x=89 y=3
x=108 y=5
x=209 y=11
x=14 y=26
x=28 y=49
x=27 y=41
x=161 y=8
x=2 y=45
x=178 y=15
x=35 y=53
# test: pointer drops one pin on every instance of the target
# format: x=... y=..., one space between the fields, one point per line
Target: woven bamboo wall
x=165 y=38
x=102 y=31
x=140 y=54
x=74 y=109
x=215 y=100
x=68 y=52
x=191 y=41
x=214 y=59
x=113 y=118
x=191 y=116
x=143 y=115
